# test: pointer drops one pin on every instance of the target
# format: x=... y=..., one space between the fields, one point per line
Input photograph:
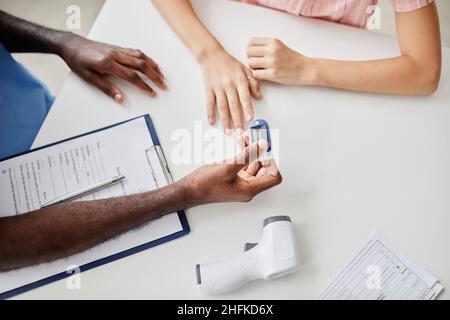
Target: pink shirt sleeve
x=410 y=5
x=350 y=12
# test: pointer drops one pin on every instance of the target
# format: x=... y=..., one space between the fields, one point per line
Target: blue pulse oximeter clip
x=259 y=130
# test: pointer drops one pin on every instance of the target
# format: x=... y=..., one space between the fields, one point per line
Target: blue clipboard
x=111 y=258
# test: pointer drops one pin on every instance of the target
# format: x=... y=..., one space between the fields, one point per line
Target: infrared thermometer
x=276 y=255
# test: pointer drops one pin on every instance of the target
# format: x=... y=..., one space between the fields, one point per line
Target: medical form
x=380 y=272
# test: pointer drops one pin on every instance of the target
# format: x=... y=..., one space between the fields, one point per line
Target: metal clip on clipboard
x=163 y=163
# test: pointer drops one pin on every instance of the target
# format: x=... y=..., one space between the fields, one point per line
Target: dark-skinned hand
x=95 y=62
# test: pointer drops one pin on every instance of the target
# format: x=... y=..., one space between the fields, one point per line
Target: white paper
x=379 y=272
x=30 y=180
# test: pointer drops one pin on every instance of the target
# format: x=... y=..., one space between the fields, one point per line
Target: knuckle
x=271 y=60
x=113 y=54
x=89 y=77
x=241 y=79
x=234 y=105
x=132 y=76
x=105 y=62
x=222 y=108
x=140 y=54
x=142 y=66
x=227 y=83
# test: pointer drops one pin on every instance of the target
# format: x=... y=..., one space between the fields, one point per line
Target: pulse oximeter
x=259 y=130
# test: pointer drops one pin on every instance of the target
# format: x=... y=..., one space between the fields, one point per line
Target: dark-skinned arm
x=66 y=229
x=93 y=61
x=18 y=35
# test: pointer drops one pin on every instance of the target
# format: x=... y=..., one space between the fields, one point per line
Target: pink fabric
x=351 y=12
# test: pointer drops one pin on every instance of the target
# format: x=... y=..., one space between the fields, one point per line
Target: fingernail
x=249 y=117
x=239 y=132
x=117 y=97
x=211 y=120
x=228 y=131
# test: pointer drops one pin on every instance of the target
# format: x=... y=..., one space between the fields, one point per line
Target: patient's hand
x=94 y=62
x=271 y=60
x=229 y=89
x=238 y=179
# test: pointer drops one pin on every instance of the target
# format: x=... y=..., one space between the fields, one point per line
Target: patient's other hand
x=271 y=60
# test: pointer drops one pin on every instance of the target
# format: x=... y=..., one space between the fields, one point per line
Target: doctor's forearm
x=18 y=35
x=63 y=230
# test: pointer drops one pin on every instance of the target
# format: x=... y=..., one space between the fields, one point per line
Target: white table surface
x=351 y=162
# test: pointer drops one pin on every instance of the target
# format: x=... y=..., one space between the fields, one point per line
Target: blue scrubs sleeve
x=24 y=104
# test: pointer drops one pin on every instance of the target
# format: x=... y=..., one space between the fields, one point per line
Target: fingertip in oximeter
x=259 y=130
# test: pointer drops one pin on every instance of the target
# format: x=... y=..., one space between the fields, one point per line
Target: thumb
x=250 y=154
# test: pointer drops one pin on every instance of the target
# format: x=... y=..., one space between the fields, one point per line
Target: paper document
x=28 y=181
x=379 y=272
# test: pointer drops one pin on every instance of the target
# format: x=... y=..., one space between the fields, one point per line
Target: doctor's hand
x=230 y=87
x=235 y=180
x=95 y=62
x=271 y=60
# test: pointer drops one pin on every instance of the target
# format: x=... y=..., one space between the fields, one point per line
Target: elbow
x=428 y=80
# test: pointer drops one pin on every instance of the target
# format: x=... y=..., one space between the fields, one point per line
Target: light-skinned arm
x=416 y=71
x=66 y=229
x=229 y=84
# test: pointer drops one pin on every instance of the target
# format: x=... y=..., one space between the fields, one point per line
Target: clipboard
x=157 y=149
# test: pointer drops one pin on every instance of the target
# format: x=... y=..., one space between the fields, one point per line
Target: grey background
x=52 y=13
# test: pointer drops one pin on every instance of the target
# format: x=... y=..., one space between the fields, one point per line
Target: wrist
x=313 y=73
x=187 y=192
x=207 y=51
x=60 y=43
